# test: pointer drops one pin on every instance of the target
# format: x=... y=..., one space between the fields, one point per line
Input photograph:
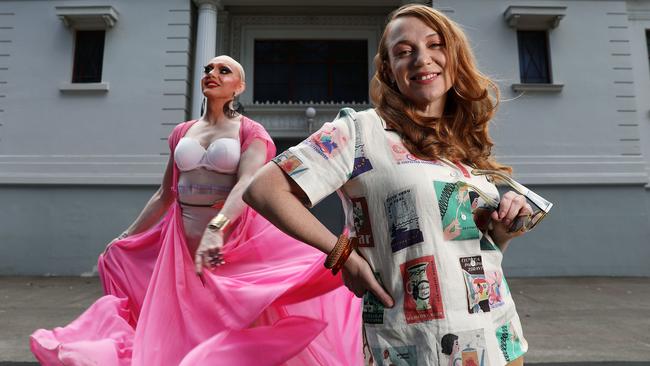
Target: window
x=88 y=24
x=88 y=56
x=534 y=24
x=533 y=57
x=311 y=70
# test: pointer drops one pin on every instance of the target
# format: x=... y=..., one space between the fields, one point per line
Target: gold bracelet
x=218 y=223
x=336 y=252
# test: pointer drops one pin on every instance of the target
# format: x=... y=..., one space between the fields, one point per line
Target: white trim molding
x=83 y=87
x=82 y=169
x=577 y=169
x=148 y=169
x=537 y=87
x=89 y=17
x=526 y=17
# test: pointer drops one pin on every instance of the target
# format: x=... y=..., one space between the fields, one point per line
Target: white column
x=206 y=46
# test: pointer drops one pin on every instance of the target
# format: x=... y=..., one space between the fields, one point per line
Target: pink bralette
x=222 y=155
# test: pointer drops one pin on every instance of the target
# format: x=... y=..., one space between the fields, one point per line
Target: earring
x=233 y=108
x=203 y=103
x=235 y=103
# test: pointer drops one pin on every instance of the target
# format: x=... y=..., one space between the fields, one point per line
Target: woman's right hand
x=359 y=278
x=120 y=237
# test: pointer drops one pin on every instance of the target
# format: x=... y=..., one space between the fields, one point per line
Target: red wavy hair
x=461 y=133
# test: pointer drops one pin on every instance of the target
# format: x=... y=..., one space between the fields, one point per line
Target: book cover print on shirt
x=422 y=296
x=476 y=284
x=463 y=349
x=401 y=155
x=290 y=164
x=455 y=209
x=361 y=162
x=373 y=309
x=328 y=141
x=496 y=290
x=403 y=220
x=395 y=356
x=362 y=224
x=509 y=342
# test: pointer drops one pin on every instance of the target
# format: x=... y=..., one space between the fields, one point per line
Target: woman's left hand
x=511 y=206
x=209 y=251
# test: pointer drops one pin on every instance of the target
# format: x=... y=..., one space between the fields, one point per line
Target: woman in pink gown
x=270 y=302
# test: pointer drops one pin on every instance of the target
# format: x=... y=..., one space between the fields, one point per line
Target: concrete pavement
x=576 y=321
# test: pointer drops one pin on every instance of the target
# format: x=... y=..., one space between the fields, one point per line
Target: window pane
x=88 y=57
x=311 y=70
x=533 y=57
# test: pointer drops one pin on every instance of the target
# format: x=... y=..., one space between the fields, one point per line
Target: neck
x=214 y=112
x=433 y=109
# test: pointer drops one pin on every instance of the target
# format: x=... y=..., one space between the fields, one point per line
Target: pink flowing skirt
x=272 y=303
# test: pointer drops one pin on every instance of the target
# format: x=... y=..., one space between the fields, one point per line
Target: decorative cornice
x=87 y=17
x=534 y=17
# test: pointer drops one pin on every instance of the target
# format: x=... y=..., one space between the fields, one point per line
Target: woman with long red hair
x=425 y=226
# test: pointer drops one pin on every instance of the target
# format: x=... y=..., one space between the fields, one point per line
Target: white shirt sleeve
x=323 y=162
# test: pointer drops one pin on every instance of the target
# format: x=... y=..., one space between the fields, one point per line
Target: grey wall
x=60 y=230
x=76 y=168
x=48 y=135
x=592 y=230
x=588 y=132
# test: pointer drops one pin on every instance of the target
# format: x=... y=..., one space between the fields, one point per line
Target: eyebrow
x=219 y=64
x=402 y=40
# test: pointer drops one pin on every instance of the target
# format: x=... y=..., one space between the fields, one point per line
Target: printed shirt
x=415 y=226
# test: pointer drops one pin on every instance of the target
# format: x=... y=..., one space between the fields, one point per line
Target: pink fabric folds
x=272 y=303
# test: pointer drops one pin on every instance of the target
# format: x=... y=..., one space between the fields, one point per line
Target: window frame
x=535 y=18
x=86 y=18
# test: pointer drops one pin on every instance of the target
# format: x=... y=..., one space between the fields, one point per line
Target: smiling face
x=222 y=77
x=417 y=60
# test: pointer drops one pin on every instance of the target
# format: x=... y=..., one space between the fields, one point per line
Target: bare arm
x=212 y=241
x=157 y=205
x=250 y=162
x=154 y=209
x=278 y=198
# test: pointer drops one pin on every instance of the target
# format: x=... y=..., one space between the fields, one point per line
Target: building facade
x=90 y=90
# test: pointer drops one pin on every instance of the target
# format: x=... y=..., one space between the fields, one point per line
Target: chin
x=214 y=94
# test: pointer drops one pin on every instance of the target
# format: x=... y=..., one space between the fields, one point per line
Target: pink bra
x=222 y=155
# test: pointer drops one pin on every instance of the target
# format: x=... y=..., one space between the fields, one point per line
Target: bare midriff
x=201 y=194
